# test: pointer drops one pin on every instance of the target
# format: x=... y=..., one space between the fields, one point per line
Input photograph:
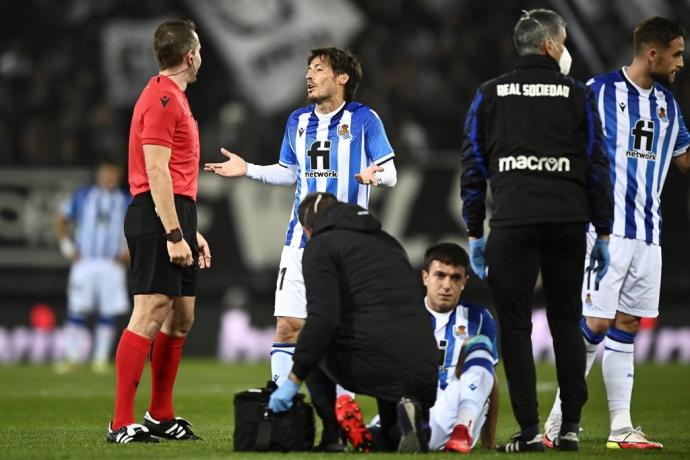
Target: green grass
x=48 y=416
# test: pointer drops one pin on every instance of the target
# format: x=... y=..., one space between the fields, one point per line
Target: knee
x=181 y=325
x=627 y=323
x=148 y=317
x=288 y=329
x=146 y=325
x=476 y=351
x=598 y=326
x=478 y=342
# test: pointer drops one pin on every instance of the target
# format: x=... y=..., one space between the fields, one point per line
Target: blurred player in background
x=89 y=230
x=644 y=131
x=333 y=145
x=161 y=231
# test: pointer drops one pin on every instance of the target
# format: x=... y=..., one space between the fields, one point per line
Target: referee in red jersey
x=161 y=229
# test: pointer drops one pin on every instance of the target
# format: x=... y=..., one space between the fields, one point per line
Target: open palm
x=235 y=166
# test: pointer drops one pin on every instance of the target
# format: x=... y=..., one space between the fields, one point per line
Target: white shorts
x=444 y=414
x=291 y=297
x=632 y=283
x=98 y=284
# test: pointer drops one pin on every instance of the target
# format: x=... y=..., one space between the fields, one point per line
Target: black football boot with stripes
x=519 y=444
x=176 y=429
x=129 y=433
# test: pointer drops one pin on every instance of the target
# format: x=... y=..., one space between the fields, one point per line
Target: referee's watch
x=174 y=236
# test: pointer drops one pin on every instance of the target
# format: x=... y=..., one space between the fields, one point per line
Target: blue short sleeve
x=377 y=146
x=287 y=151
x=683 y=139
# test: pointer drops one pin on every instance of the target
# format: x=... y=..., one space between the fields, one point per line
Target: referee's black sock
x=570 y=428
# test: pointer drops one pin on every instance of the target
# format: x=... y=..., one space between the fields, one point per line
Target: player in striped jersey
x=645 y=132
x=466 y=407
x=333 y=145
x=97 y=278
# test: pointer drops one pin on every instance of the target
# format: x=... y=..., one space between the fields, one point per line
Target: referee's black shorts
x=151 y=269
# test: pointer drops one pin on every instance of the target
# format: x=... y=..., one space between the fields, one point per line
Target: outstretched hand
x=368 y=175
x=234 y=167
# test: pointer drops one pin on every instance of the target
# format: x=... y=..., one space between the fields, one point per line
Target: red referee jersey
x=162 y=116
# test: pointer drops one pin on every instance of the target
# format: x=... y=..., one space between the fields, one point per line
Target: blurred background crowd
x=422 y=60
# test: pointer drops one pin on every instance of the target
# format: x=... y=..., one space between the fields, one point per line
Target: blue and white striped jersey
x=644 y=129
x=98 y=216
x=328 y=150
x=452 y=328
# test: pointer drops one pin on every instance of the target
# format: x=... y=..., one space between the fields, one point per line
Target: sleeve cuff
x=603 y=230
x=475 y=230
x=681 y=150
x=154 y=141
x=381 y=160
x=301 y=372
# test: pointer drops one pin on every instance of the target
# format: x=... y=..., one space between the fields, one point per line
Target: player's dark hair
x=341 y=62
x=313 y=206
x=447 y=253
x=172 y=41
x=660 y=31
x=534 y=28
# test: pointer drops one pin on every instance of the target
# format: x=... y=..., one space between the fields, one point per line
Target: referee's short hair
x=313 y=206
x=534 y=28
x=172 y=41
x=447 y=253
x=656 y=30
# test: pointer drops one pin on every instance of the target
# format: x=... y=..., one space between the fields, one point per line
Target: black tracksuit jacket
x=366 y=323
x=536 y=135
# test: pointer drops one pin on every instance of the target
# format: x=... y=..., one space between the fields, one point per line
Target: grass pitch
x=49 y=416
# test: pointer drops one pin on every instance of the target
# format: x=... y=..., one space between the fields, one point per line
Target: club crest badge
x=661 y=112
x=344 y=132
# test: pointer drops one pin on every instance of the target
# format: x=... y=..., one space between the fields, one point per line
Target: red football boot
x=460 y=440
x=349 y=417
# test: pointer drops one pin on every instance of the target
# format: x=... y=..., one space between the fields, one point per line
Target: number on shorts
x=282 y=278
x=589 y=273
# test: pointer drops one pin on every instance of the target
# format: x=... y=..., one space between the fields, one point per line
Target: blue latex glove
x=477 y=259
x=281 y=399
x=600 y=255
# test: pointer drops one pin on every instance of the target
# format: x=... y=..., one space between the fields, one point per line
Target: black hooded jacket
x=366 y=320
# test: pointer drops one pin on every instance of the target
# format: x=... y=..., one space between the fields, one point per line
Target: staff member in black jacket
x=534 y=133
x=363 y=325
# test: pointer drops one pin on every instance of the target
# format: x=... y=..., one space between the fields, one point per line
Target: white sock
x=618 y=368
x=74 y=331
x=339 y=391
x=476 y=381
x=592 y=342
x=475 y=387
x=103 y=341
x=281 y=361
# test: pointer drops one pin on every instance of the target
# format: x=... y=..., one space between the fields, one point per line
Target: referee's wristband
x=174 y=235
